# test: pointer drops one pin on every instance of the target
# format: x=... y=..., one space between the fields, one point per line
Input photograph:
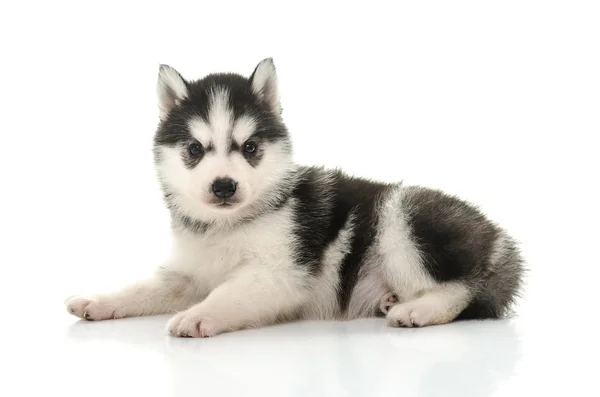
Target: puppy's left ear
x=265 y=85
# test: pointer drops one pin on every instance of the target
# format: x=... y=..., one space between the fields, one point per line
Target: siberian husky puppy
x=259 y=239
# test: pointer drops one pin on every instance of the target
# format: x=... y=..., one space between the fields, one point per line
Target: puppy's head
x=221 y=147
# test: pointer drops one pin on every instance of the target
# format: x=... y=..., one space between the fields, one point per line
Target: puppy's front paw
x=191 y=324
x=91 y=309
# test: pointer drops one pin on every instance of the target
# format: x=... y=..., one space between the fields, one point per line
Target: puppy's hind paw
x=190 y=324
x=388 y=301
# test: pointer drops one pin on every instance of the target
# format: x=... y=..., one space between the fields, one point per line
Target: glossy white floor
x=361 y=358
x=543 y=351
x=494 y=101
x=549 y=347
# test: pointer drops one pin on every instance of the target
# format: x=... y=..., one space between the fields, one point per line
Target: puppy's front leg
x=255 y=296
x=164 y=292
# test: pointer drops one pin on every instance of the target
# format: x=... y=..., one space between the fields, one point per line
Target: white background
x=497 y=102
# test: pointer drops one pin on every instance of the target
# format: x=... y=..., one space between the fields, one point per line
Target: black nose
x=224 y=187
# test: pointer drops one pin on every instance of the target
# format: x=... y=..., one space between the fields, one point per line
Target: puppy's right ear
x=171 y=89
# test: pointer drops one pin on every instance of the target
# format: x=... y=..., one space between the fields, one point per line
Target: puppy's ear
x=171 y=88
x=265 y=85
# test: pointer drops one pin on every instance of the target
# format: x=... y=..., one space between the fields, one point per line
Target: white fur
x=221 y=120
x=243 y=128
x=368 y=290
x=200 y=130
x=164 y=292
x=400 y=259
x=248 y=275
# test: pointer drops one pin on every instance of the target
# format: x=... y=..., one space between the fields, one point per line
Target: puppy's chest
x=211 y=259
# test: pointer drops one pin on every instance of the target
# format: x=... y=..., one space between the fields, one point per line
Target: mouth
x=224 y=204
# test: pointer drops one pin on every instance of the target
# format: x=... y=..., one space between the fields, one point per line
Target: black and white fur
x=293 y=242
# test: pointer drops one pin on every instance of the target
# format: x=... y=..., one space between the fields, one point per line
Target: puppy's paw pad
x=388 y=301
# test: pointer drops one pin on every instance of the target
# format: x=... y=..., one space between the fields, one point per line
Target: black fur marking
x=364 y=197
x=454 y=238
x=254 y=158
x=456 y=241
x=316 y=222
x=234 y=147
x=193 y=225
x=242 y=101
x=190 y=160
x=269 y=131
x=325 y=200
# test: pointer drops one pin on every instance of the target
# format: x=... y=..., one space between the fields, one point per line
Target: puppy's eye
x=195 y=149
x=250 y=147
